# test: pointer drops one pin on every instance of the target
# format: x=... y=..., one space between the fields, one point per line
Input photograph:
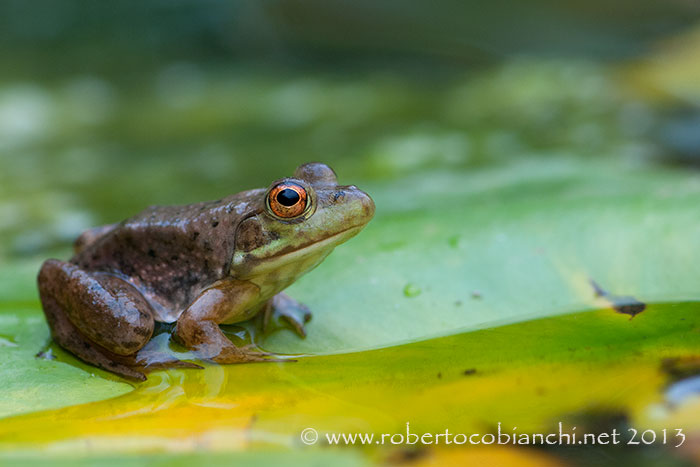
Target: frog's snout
x=364 y=205
x=368 y=207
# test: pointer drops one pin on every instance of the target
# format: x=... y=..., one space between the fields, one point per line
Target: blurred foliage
x=103 y=106
x=87 y=151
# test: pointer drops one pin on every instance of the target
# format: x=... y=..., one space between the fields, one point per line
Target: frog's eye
x=287 y=200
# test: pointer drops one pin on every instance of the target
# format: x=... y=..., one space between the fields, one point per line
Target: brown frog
x=199 y=265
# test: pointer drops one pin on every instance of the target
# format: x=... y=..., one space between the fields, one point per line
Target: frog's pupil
x=288 y=197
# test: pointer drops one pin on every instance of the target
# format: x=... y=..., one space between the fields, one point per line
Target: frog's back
x=170 y=253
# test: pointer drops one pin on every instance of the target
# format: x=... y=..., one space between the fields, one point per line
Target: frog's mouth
x=256 y=262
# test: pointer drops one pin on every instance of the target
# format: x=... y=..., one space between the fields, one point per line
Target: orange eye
x=287 y=200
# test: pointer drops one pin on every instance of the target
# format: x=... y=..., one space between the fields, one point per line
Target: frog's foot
x=84 y=309
x=207 y=342
x=283 y=308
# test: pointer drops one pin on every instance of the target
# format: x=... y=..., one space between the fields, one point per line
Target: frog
x=195 y=267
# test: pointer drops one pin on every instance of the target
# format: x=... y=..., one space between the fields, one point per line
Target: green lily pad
x=484 y=248
x=501 y=245
x=31 y=383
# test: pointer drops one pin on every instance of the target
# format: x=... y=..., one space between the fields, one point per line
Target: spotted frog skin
x=198 y=266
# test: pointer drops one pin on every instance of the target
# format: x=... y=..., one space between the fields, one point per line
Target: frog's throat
x=245 y=265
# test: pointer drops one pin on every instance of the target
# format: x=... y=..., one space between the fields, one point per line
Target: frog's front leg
x=229 y=300
x=283 y=307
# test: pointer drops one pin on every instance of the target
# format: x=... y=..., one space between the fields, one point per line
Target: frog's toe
x=176 y=364
x=297 y=324
x=284 y=311
x=245 y=355
x=253 y=350
x=129 y=373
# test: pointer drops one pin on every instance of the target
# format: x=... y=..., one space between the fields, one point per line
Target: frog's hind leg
x=68 y=337
x=100 y=318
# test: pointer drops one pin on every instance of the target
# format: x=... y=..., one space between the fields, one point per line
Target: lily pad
x=527 y=238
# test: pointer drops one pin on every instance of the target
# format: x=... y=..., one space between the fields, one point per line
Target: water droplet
x=453 y=241
x=411 y=290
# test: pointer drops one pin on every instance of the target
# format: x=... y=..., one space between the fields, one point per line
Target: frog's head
x=298 y=223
